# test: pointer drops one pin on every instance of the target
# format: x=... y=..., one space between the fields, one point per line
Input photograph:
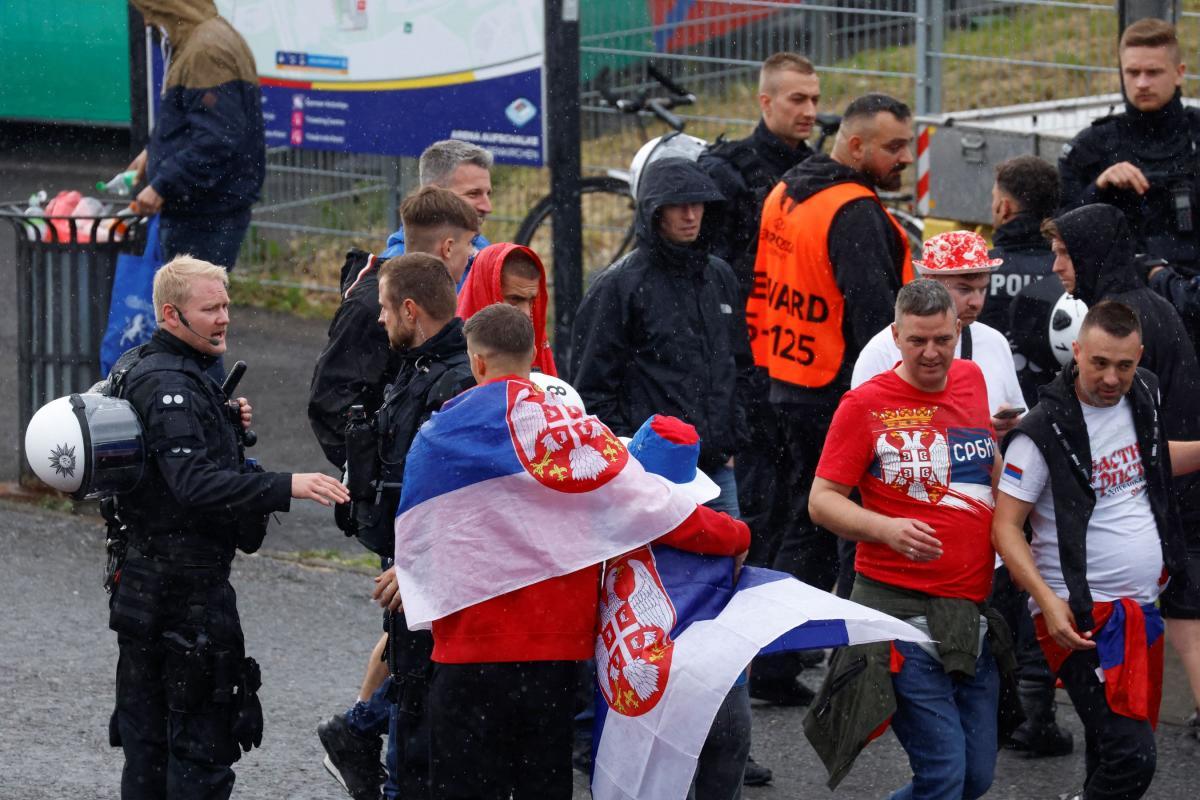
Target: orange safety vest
x=795 y=309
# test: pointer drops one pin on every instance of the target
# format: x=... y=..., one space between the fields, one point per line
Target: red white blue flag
x=674 y=635
x=507 y=486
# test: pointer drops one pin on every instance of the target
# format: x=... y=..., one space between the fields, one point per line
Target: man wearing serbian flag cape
x=1090 y=468
x=511 y=501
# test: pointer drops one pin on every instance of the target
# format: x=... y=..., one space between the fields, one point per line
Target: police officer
x=185 y=690
x=1144 y=161
x=745 y=170
x=417 y=302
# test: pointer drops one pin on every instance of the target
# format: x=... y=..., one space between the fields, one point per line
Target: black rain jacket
x=1027 y=257
x=662 y=331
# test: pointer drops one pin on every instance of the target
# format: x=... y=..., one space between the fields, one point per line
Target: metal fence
x=938 y=55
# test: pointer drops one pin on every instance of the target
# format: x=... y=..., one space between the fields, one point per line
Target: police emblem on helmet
x=62 y=460
x=634 y=646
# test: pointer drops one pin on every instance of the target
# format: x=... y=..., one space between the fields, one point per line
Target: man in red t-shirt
x=917 y=442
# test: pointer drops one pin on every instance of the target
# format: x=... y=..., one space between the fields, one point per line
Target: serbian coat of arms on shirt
x=634 y=647
x=558 y=444
x=913 y=456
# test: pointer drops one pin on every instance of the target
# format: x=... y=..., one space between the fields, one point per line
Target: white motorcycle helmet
x=86 y=445
x=1066 y=317
x=558 y=388
x=672 y=145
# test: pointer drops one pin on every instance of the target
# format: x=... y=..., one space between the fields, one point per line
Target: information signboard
x=393 y=76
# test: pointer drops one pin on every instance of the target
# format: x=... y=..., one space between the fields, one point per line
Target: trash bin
x=64 y=285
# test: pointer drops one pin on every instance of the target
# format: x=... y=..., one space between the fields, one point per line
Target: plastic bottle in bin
x=87 y=209
x=121 y=185
x=34 y=212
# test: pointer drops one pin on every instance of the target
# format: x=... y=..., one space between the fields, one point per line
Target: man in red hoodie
x=501 y=696
x=512 y=274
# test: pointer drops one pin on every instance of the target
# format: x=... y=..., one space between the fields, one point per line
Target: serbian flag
x=507 y=486
x=1129 y=644
x=674 y=635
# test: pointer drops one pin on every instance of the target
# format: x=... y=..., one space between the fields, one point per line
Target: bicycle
x=608 y=198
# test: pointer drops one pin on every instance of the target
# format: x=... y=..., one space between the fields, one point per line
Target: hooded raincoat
x=662 y=330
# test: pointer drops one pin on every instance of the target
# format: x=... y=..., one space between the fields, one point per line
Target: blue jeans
x=727 y=501
x=947 y=726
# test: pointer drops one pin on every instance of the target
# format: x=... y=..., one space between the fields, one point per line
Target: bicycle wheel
x=607 y=225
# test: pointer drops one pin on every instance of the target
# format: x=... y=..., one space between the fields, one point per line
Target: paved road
x=308 y=628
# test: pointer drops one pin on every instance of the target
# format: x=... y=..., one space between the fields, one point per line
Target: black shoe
x=1046 y=742
x=352 y=759
x=756 y=774
x=1191 y=725
x=781 y=692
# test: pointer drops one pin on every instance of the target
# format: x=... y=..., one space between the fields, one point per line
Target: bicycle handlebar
x=658 y=106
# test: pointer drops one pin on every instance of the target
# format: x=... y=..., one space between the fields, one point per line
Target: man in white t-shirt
x=958 y=260
x=1090 y=468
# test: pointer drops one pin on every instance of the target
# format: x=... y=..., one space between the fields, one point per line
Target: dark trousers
x=408 y=723
x=806 y=550
x=176 y=734
x=760 y=470
x=1121 y=754
x=501 y=729
x=215 y=239
x=722 y=762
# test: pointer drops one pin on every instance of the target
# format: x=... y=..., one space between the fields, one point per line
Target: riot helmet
x=87 y=445
x=672 y=145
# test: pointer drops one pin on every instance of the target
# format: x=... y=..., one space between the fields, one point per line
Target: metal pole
x=930 y=38
x=1129 y=11
x=561 y=76
x=139 y=111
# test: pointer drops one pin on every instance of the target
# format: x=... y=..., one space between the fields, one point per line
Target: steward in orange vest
x=830 y=261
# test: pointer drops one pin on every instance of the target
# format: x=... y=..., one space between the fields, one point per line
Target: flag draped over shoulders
x=507 y=486
x=674 y=635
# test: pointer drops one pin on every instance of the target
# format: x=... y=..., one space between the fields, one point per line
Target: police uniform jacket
x=745 y=171
x=662 y=331
x=188 y=505
x=1162 y=143
x=426 y=378
x=1027 y=257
